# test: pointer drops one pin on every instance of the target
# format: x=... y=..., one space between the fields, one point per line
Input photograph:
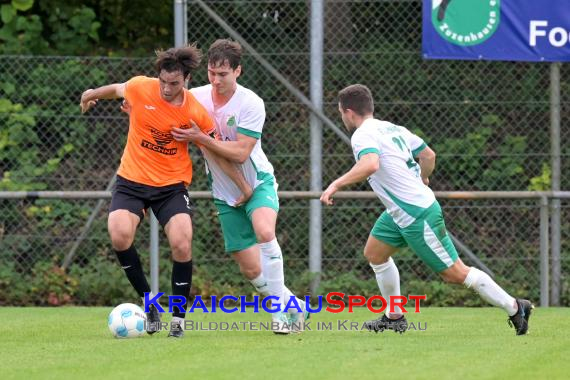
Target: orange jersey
x=152 y=157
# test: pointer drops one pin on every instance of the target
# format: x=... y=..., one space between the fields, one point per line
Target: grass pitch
x=457 y=343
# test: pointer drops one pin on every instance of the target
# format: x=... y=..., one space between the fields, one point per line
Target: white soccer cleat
x=297 y=322
x=280 y=323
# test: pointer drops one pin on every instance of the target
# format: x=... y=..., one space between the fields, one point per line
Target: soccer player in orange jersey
x=155 y=169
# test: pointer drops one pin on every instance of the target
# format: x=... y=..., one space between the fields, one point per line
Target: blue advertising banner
x=505 y=30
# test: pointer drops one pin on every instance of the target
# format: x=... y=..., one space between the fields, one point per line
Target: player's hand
x=126 y=107
x=425 y=180
x=247 y=192
x=327 y=195
x=188 y=134
x=86 y=103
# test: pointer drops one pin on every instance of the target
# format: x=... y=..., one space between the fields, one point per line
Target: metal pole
x=555 y=156
x=316 y=85
x=153 y=253
x=544 y=264
x=180 y=23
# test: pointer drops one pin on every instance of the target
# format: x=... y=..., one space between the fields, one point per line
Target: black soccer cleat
x=384 y=323
x=152 y=320
x=520 y=320
x=176 y=330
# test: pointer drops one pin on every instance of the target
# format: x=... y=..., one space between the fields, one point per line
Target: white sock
x=272 y=269
x=388 y=279
x=490 y=291
x=150 y=296
x=287 y=294
x=260 y=284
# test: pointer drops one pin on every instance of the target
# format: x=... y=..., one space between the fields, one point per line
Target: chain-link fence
x=489 y=122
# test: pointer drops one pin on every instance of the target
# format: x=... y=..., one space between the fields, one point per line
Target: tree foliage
x=85 y=27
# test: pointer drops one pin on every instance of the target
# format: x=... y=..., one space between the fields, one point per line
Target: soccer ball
x=127 y=321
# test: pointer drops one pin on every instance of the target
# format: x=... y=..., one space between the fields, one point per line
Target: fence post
x=153 y=250
x=544 y=264
x=315 y=223
x=555 y=160
x=180 y=23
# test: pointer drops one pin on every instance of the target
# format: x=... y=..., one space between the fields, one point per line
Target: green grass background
x=459 y=343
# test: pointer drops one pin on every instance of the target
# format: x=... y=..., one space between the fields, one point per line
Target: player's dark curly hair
x=225 y=50
x=185 y=59
x=358 y=98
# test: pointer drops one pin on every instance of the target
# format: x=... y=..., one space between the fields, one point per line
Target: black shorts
x=165 y=201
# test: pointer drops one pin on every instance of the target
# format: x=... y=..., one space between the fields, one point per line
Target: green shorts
x=236 y=221
x=426 y=236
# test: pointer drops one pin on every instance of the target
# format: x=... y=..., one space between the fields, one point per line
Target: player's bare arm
x=426 y=160
x=232 y=171
x=111 y=91
x=364 y=168
x=236 y=151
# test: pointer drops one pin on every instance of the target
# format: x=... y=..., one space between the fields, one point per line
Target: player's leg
x=385 y=270
x=125 y=213
x=262 y=209
x=518 y=310
x=482 y=283
x=385 y=239
x=173 y=211
x=249 y=263
x=263 y=220
x=122 y=225
x=240 y=241
x=437 y=250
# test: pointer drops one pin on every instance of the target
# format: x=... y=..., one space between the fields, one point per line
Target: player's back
x=398 y=181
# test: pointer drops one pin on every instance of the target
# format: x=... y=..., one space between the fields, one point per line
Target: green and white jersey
x=244 y=113
x=397 y=182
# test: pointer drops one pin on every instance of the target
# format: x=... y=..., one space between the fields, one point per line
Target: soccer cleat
x=280 y=323
x=520 y=320
x=384 y=323
x=176 y=330
x=297 y=321
x=152 y=320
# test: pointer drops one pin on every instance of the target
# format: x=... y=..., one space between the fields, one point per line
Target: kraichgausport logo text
x=335 y=303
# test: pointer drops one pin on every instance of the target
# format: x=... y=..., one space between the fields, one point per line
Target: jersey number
x=412 y=164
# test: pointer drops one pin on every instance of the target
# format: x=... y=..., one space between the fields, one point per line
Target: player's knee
x=454 y=275
x=121 y=239
x=250 y=272
x=265 y=235
x=181 y=250
x=375 y=258
x=447 y=277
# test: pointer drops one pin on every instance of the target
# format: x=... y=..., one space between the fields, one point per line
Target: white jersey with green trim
x=244 y=113
x=397 y=182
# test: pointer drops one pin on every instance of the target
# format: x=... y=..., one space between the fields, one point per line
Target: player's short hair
x=358 y=98
x=185 y=59
x=225 y=50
